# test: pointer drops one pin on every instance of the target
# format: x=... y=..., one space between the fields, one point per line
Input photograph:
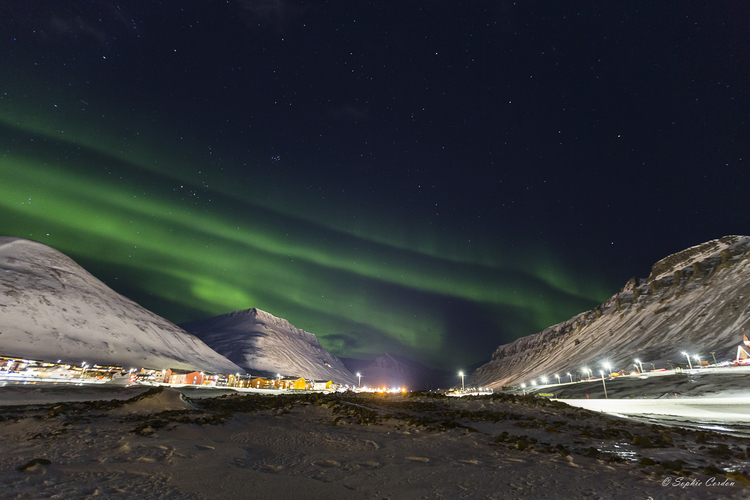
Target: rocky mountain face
x=260 y=342
x=51 y=308
x=695 y=301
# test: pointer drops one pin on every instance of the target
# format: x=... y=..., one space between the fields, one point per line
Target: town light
x=639 y=364
x=571 y=377
x=359 y=379
x=558 y=378
x=461 y=374
x=607 y=367
x=604 y=384
x=688 y=358
x=544 y=380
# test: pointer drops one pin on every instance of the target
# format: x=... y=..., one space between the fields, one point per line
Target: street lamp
x=571 y=377
x=607 y=367
x=533 y=382
x=558 y=378
x=461 y=374
x=586 y=371
x=639 y=363
x=713 y=354
x=688 y=358
x=278 y=375
x=604 y=384
x=544 y=380
x=698 y=359
x=359 y=380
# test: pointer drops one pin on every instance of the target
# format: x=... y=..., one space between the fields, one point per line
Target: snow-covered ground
x=346 y=446
x=731 y=409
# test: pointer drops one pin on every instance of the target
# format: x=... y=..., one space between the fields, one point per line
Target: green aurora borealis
x=431 y=180
x=193 y=250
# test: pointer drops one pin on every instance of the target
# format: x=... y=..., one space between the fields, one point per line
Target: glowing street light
x=571 y=377
x=558 y=378
x=688 y=358
x=604 y=384
x=608 y=367
x=639 y=364
x=586 y=371
x=359 y=379
x=461 y=374
x=698 y=359
x=544 y=380
x=533 y=382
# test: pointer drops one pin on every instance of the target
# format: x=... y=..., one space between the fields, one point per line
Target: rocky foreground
x=162 y=444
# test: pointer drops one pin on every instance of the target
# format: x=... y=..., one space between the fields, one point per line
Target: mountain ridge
x=259 y=341
x=705 y=288
x=52 y=308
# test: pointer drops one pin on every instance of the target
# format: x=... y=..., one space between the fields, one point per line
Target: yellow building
x=293 y=383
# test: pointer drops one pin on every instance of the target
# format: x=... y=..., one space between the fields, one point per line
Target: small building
x=290 y=383
x=321 y=385
x=261 y=383
x=179 y=376
x=743 y=356
x=152 y=375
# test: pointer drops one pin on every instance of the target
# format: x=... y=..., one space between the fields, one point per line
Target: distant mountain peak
x=255 y=315
x=390 y=360
x=260 y=341
x=395 y=370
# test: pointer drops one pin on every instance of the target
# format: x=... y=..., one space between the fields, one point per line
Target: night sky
x=428 y=178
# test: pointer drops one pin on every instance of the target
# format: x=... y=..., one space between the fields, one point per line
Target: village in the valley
x=28 y=371
x=20 y=370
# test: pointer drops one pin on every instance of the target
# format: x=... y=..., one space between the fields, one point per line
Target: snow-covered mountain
x=392 y=370
x=259 y=341
x=695 y=301
x=51 y=308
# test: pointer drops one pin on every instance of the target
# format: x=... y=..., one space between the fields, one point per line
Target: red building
x=177 y=376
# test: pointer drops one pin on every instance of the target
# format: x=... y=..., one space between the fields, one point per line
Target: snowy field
x=155 y=443
x=731 y=409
